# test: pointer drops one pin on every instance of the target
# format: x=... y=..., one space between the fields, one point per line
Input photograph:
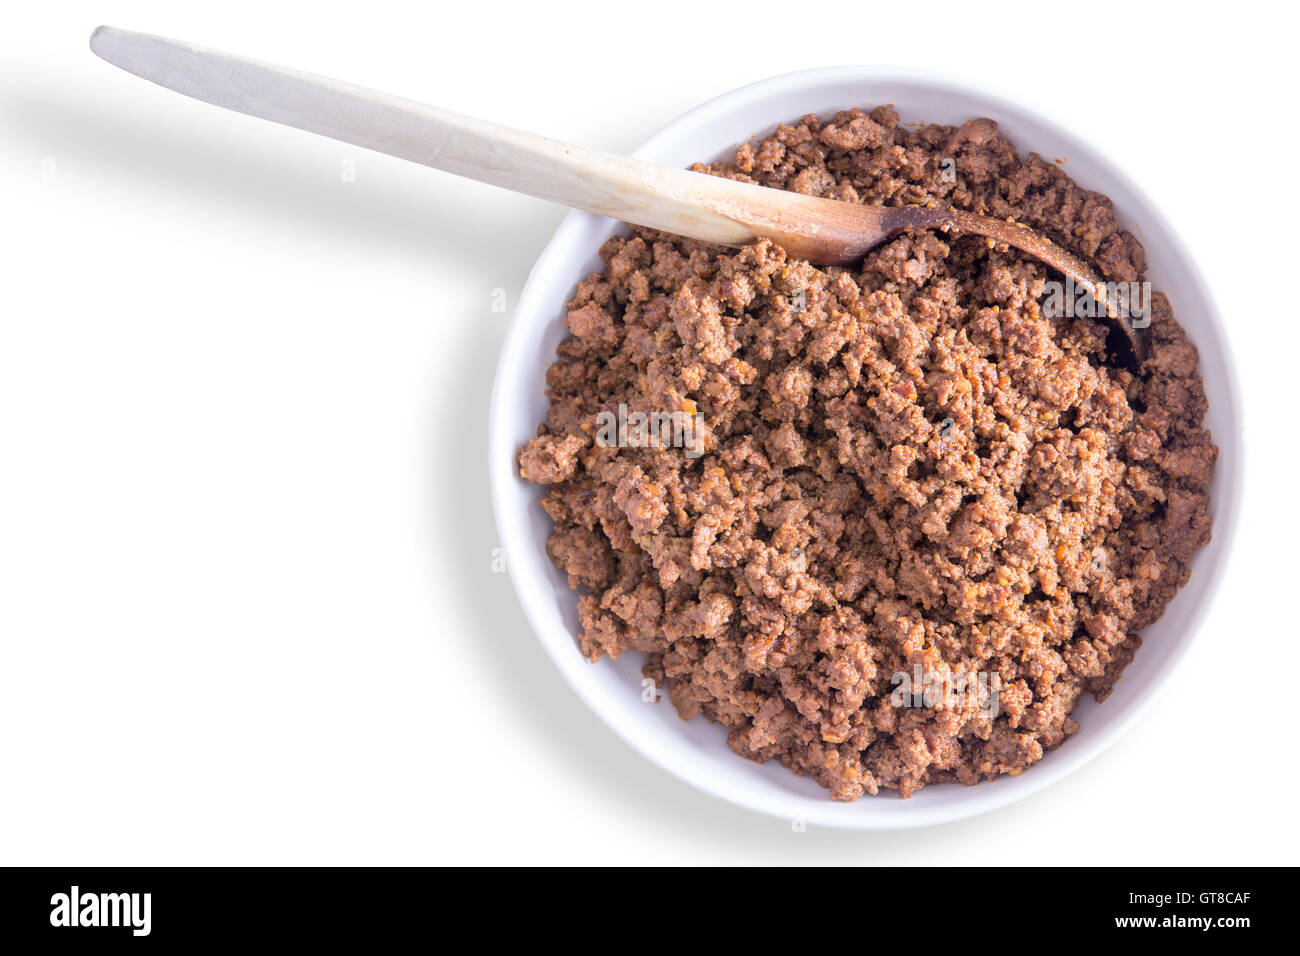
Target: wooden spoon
x=709 y=208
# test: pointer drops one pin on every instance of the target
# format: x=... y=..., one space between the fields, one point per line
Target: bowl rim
x=978 y=799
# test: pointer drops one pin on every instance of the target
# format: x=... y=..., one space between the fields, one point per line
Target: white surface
x=696 y=751
x=247 y=610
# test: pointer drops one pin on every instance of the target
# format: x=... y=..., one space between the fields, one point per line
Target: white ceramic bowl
x=696 y=751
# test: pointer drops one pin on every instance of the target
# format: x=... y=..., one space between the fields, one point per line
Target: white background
x=247 y=608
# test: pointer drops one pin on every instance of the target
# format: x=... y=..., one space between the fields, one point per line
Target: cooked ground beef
x=908 y=468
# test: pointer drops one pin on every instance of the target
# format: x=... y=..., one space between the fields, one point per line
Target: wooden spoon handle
x=676 y=200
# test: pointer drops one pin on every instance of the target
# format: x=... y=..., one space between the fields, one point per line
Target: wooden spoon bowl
x=696 y=205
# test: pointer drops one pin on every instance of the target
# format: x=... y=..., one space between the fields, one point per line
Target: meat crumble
x=908 y=468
